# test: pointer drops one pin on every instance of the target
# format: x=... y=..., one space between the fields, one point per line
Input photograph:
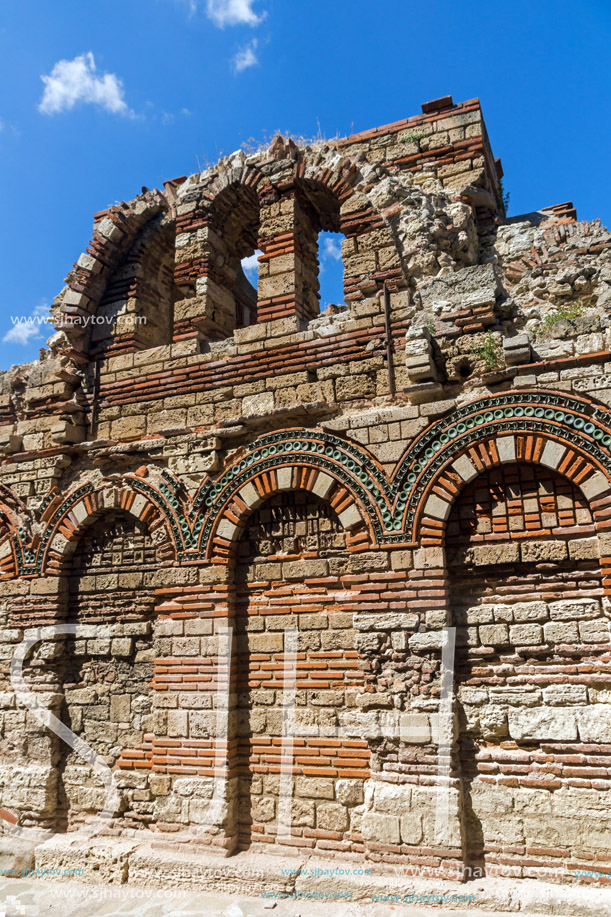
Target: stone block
x=565 y=695
x=381 y=829
x=561 y=632
x=595 y=723
x=542 y=551
x=543 y=723
x=348 y=792
x=530 y=611
x=595 y=631
x=120 y=708
x=332 y=816
x=574 y=609
x=494 y=634
x=526 y=634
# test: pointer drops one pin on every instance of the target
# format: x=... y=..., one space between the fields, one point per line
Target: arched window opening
x=137 y=309
x=229 y=294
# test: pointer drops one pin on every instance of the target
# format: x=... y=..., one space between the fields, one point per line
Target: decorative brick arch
x=15 y=529
x=332 y=468
x=282 y=479
x=564 y=434
x=76 y=513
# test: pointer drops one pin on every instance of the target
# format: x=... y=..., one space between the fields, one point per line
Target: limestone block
x=526 y=634
x=465 y=468
x=366 y=621
x=595 y=723
x=596 y=631
x=467 y=288
x=425 y=643
x=516 y=695
x=348 y=792
x=381 y=829
x=304 y=569
x=494 y=634
x=595 y=485
x=557 y=632
x=373 y=700
x=506 y=448
x=584 y=548
x=411 y=828
x=494 y=554
x=437 y=507
x=530 y=611
x=258 y=404
x=565 y=695
x=332 y=817
x=517 y=350
x=574 y=609
x=415 y=728
x=538 y=551
x=542 y=723
x=350 y=517
x=552 y=454
x=320 y=788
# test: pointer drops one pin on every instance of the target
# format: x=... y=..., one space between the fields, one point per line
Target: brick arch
x=11 y=509
x=563 y=432
x=114 y=231
x=75 y=514
x=9 y=540
x=282 y=479
x=503 y=448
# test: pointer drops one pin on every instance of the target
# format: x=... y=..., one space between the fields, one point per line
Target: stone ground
x=66 y=898
x=58 y=898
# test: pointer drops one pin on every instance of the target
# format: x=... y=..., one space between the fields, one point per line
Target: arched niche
x=295 y=638
x=532 y=638
x=105 y=670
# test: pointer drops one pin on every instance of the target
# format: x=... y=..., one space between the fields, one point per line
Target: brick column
x=288 y=272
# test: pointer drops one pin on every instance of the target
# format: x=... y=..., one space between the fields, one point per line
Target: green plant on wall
x=502 y=198
x=562 y=313
x=413 y=136
x=490 y=351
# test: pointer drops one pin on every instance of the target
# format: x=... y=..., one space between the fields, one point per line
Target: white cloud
x=232 y=12
x=246 y=57
x=26 y=329
x=250 y=266
x=78 y=81
x=331 y=248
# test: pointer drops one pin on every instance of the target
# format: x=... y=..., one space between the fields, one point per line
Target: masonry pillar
x=29 y=776
x=288 y=272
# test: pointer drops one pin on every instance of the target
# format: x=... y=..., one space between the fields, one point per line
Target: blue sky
x=99 y=99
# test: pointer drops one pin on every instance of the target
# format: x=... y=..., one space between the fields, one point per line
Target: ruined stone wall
x=259 y=503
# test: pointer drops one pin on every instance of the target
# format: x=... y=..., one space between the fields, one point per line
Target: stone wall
x=281 y=519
